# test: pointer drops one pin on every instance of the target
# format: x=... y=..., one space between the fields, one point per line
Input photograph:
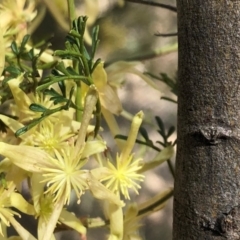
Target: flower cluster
x=49 y=139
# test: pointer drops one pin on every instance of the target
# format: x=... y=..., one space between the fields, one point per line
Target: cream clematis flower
x=124 y=175
x=61 y=174
x=9 y=198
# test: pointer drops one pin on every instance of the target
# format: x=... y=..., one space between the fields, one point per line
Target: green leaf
x=14 y=48
x=57 y=100
x=51 y=92
x=75 y=34
x=160 y=125
x=71 y=71
x=37 y=108
x=170 y=131
x=95 y=64
x=61 y=68
x=31 y=54
x=62 y=88
x=67 y=54
x=24 y=42
x=95 y=41
x=28 y=127
x=14 y=70
x=144 y=133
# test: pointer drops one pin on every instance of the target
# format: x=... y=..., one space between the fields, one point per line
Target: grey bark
x=207 y=186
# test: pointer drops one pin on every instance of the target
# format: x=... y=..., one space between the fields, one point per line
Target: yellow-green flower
x=65 y=174
x=62 y=173
x=8 y=200
x=50 y=137
x=124 y=175
x=5 y=208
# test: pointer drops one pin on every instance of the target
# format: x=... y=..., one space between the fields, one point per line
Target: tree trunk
x=207 y=185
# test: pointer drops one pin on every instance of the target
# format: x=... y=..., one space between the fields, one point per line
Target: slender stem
x=171 y=168
x=71 y=12
x=155 y=204
x=147 y=55
x=161 y=5
x=166 y=34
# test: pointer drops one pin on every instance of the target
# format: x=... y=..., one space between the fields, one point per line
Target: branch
x=169 y=7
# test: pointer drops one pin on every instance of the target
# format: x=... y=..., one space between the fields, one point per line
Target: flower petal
x=11 y=123
x=21 y=204
x=93 y=147
x=99 y=191
x=72 y=221
x=29 y=158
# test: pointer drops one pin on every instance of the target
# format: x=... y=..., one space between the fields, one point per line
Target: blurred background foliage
x=127 y=30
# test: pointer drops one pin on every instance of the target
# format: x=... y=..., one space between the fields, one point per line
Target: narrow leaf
x=14 y=48
x=161 y=157
x=170 y=131
x=37 y=108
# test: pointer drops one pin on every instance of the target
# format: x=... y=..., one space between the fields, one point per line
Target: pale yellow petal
x=11 y=123
x=37 y=189
x=23 y=233
x=99 y=76
x=70 y=220
x=93 y=147
x=26 y=157
x=20 y=97
x=110 y=100
x=21 y=204
x=99 y=191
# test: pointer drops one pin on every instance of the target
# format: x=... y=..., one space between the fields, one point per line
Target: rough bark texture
x=207 y=186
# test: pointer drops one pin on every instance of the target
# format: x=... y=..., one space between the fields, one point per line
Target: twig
x=169 y=7
x=147 y=55
x=166 y=34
